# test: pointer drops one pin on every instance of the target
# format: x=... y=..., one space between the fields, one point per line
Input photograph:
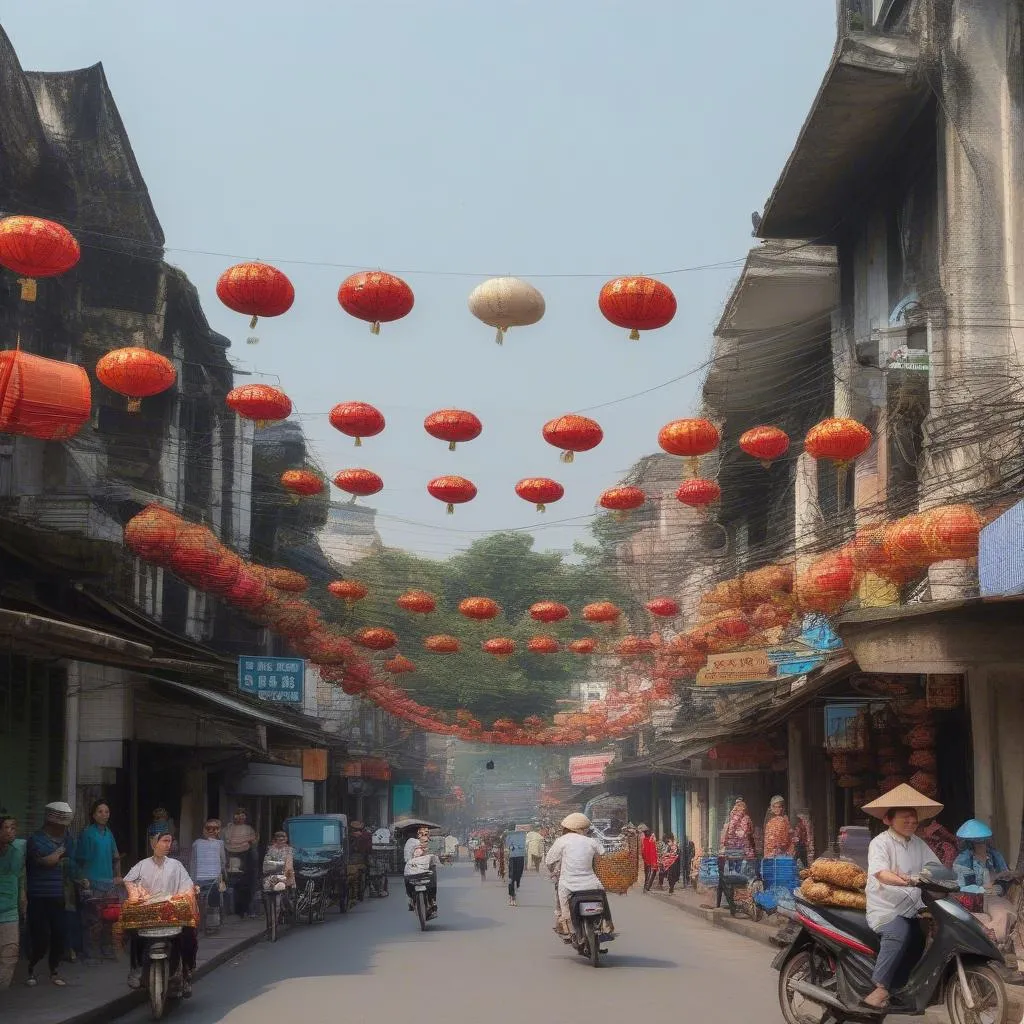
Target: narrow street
x=481 y=959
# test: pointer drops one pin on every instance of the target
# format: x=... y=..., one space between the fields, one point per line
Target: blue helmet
x=974 y=830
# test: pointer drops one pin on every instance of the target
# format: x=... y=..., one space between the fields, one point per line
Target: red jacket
x=649 y=850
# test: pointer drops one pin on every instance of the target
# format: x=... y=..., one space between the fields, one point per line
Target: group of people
x=778 y=837
x=662 y=859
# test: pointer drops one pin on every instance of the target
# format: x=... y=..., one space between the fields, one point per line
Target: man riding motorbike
x=159 y=876
x=572 y=855
x=418 y=861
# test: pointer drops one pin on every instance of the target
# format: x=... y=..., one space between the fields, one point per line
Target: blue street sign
x=818 y=634
x=273 y=679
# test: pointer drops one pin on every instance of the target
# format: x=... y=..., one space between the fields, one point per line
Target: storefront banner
x=588 y=769
x=737 y=667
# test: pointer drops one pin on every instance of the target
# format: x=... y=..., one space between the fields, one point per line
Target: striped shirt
x=209 y=860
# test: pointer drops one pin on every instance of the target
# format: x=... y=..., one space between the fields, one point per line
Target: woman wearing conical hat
x=894 y=857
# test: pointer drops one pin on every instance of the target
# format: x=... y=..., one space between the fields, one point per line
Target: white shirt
x=891 y=852
x=410 y=847
x=575 y=854
x=166 y=879
x=451 y=844
x=421 y=865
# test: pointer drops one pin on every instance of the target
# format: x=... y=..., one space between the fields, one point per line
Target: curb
x=719 y=919
x=132 y=998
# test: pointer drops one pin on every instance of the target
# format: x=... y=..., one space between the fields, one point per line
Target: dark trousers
x=515 y=874
x=47 y=928
x=242 y=885
x=895 y=939
x=650 y=874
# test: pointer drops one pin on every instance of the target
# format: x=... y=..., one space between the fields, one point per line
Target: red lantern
x=499 y=646
x=376 y=638
x=541 y=490
x=357 y=419
x=663 y=607
x=43 y=398
x=260 y=403
x=698 y=493
x=376 y=297
x=905 y=546
x=479 y=608
x=287 y=580
x=622 y=499
x=637 y=304
x=543 y=645
x=293 y=619
x=136 y=373
x=195 y=553
x=442 y=644
x=573 y=434
x=255 y=289
x=633 y=647
x=766 y=444
x=601 y=611
x=548 y=611
x=585 y=645
x=454 y=490
x=838 y=440
x=418 y=601
x=249 y=592
x=732 y=626
x=952 y=531
x=302 y=482
x=34 y=247
x=360 y=483
x=827 y=583
x=690 y=438
x=398 y=665
x=349 y=591
x=152 y=533
x=453 y=426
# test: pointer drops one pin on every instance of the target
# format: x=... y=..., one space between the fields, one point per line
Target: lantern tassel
x=375 y=327
x=541 y=507
x=499 y=337
x=29 y=289
x=359 y=442
x=451 y=509
x=451 y=446
x=694 y=465
x=352 y=500
x=252 y=322
x=634 y=335
x=568 y=456
x=134 y=404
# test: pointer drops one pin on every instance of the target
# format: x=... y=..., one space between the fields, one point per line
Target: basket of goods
x=923 y=759
x=618 y=870
x=835 y=883
x=805 y=873
x=921 y=737
x=832 y=896
x=159 y=912
x=925 y=782
x=707 y=873
x=842 y=874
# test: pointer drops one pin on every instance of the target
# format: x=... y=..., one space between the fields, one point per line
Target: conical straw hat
x=903 y=796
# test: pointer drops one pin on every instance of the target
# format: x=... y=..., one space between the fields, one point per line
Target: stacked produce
x=835 y=883
x=180 y=909
x=618 y=869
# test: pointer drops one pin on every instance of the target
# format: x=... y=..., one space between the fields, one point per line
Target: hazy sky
x=566 y=142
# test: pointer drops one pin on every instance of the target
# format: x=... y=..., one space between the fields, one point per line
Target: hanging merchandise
x=302 y=483
x=637 y=304
x=360 y=483
x=479 y=608
x=33 y=248
x=42 y=398
x=499 y=646
x=255 y=289
x=951 y=531
x=585 y=645
x=573 y=434
x=376 y=297
x=399 y=665
x=453 y=490
x=764 y=443
x=827 y=583
x=260 y=403
x=356 y=419
x=548 y=611
x=698 y=493
x=543 y=645
x=288 y=580
x=417 y=601
x=621 y=500
x=152 y=533
x=136 y=373
x=689 y=438
x=540 y=490
x=349 y=591
x=376 y=638
x=504 y=302
x=453 y=426
x=840 y=440
x=663 y=607
x=442 y=644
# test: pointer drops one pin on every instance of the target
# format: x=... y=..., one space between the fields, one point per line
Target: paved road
x=482 y=960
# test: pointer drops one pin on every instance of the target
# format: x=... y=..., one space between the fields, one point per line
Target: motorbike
x=160 y=959
x=829 y=962
x=425 y=908
x=591 y=915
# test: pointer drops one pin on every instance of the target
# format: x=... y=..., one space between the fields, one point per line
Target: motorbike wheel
x=421 y=910
x=804 y=1011
x=987 y=991
x=158 y=988
x=593 y=945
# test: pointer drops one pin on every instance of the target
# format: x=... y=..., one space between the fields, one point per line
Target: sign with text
x=272 y=679
x=737 y=667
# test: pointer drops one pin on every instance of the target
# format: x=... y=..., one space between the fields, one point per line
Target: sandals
x=56 y=979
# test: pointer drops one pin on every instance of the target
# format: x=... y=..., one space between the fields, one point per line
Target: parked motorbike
x=829 y=963
x=591 y=918
x=426 y=909
x=160 y=959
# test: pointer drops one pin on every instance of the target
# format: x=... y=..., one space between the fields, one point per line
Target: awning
x=869 y=97
x=938 y=637
x=267 y=780
x=40 y=636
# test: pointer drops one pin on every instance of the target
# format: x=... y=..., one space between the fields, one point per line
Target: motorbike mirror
x=939 y=876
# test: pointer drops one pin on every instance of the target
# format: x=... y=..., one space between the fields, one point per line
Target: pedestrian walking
x=534 y=849
x=649 y=854
x=480 y=860
x=515 y=847
x=47 y=852
x=99 y=870
x=13 y=898
x=669 y=864
x=208 y=866
x=240 y=842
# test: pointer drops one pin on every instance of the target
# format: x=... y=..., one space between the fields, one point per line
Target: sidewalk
x=101 y=993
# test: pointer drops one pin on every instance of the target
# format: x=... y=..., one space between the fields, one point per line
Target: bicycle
x=281 y=911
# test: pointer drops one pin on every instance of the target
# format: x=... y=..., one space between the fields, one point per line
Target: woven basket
x=618 y=871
